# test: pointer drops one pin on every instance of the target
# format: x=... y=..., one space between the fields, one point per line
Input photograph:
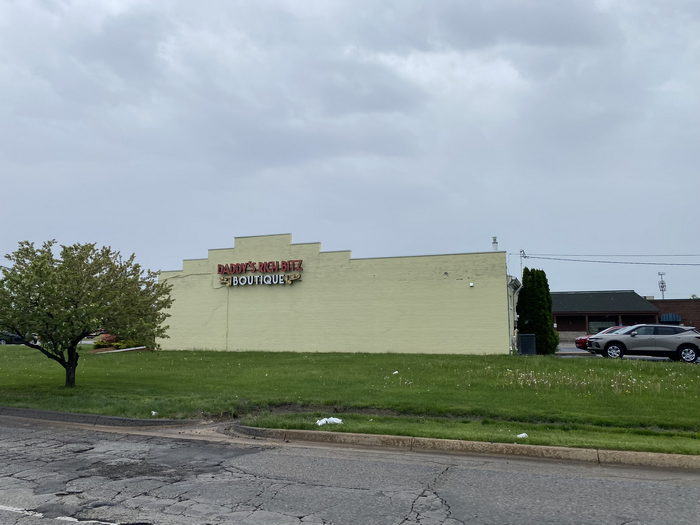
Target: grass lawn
x=622 y=404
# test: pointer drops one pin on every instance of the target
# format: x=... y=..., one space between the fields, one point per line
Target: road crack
x=428 y=507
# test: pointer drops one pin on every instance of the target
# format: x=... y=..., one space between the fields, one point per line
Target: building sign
x=263 y=272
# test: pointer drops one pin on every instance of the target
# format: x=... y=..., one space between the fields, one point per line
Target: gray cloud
x=387 y=128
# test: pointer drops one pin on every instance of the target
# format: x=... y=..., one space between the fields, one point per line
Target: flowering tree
x=52 y=297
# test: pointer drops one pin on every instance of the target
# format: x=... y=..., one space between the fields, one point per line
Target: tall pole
x=662 y=285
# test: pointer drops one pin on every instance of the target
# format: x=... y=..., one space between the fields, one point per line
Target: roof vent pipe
x=494 y=243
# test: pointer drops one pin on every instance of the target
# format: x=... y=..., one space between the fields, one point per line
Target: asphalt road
x=52 y=473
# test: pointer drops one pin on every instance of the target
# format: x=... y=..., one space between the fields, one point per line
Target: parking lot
x=568 y=350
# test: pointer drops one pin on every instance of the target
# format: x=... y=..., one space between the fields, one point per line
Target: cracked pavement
x=51 y=473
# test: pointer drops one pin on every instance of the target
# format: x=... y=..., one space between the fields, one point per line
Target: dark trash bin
x=526 y=344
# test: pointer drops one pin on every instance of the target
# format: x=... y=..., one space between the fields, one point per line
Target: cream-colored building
x=267 y=293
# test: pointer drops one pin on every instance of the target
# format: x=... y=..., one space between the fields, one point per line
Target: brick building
x=678 y=311
x=579 y=313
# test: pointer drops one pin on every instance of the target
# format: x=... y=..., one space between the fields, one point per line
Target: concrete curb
x=419 y=444
x=90 y=419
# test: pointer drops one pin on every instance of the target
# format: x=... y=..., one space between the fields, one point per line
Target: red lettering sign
x=293 y=265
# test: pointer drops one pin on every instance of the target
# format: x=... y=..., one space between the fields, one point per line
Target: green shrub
x=535 y=311
x=129 y=343
x=105 y=341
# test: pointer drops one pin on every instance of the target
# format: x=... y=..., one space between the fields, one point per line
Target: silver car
x=680 y=343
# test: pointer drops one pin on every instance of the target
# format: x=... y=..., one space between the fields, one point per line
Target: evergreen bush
x=535 y=311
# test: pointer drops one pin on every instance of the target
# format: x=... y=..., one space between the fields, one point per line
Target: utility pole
x=662 y=284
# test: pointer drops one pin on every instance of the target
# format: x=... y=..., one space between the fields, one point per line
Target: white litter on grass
x=523 y=435
x=154 y=413
x=394 y=372
x=329 y=420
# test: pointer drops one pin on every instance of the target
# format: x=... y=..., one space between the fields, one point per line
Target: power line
x=524 y=256
x=615 y=255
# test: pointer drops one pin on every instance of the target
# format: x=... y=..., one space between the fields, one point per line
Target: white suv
x=680 y=343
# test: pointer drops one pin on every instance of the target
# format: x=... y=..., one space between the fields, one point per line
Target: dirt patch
x=112 y=349
x=247 y=411
x=100 y=350
x=295 y=408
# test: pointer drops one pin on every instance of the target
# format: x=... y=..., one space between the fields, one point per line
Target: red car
x=582 y=342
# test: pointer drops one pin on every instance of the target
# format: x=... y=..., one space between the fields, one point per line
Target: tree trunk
x=70 y=374
x=70 y=366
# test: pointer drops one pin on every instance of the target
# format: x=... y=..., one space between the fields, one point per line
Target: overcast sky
x=388 y=128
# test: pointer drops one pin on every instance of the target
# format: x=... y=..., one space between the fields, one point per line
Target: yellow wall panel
x=395 y=304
